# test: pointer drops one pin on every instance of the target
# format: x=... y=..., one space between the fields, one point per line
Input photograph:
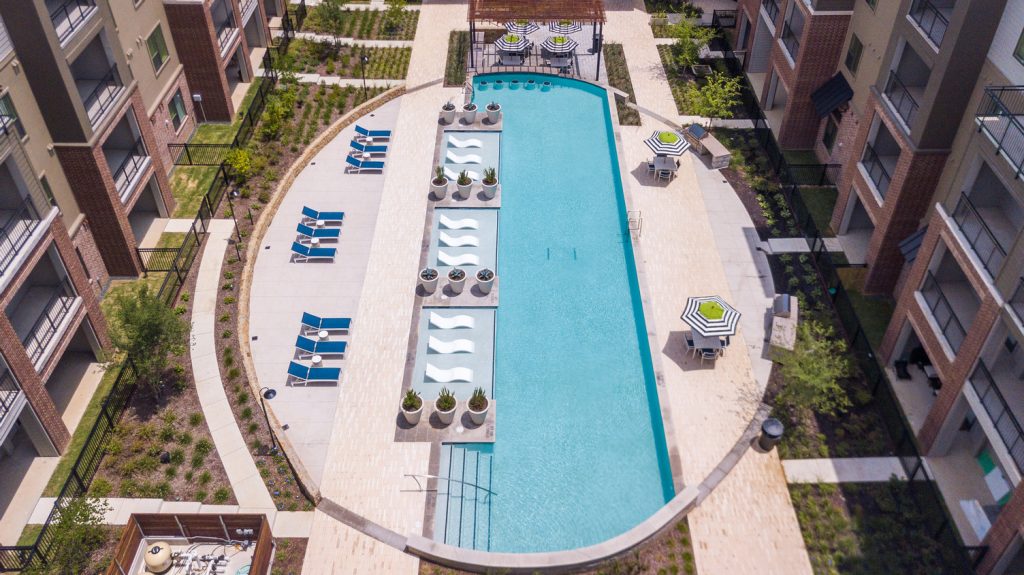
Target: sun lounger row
x=311 y=229
x=311 y=342
x=365 y=144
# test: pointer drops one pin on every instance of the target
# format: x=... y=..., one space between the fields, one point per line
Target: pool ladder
x=635 y=221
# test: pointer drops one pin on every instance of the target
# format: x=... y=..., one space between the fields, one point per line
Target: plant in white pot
x=494 y=112
x=485 y=280
x=428 y=279
x=445 y=405
x=464 y=184
x=469 y=113
x=490 y=183
x=456 y=280
x=412 y=407
x=448 y=112
x=439 y=185
x=478 y=406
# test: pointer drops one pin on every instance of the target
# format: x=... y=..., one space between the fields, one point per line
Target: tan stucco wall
x=873 y=27
x=134 y=25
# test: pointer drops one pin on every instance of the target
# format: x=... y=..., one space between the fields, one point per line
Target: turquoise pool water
x=580 y=454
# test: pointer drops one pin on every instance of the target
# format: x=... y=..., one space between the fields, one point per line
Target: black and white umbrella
x=521 y=27
x=512 y=43
x=565 y=27
x=710 y=316
x=667 y=144
x=560 y=44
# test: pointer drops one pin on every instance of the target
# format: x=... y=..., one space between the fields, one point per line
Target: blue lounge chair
x=358 y=147
x=301 y=373
x=313 y=324
x=359 y=167
x=311 y=216
x=362 y=133
x=319 y=233
x=302 y=253
x=308 y=347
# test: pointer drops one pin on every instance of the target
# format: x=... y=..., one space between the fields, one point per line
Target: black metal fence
x=189 y=154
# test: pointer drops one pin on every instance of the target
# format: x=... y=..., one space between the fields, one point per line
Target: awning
x=912 y=243
x=831 y=95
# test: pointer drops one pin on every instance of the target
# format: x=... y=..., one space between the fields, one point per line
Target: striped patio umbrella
x=565 y=27
x=560 y=44
x=512 y=43
x=710 y=316
x=521 y=27
x=667 y=144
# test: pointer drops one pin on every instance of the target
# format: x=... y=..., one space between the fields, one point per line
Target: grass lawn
x=874 y=312
x=820 y=201
x=800 y=157
x=618 y=77
x=29 y=535
x=189 y=184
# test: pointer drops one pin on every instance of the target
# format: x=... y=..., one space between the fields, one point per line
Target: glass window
x=853 y=54
x=177 y=110
x=831 y=131
x=872 y=3
x=1018 y=52
x=10 y=115
x=157 y=48
x=47 y=191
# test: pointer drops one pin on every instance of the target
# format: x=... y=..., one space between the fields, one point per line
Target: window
x=176 y=109
x=872 y=3
x=1018 y=52
x=47 y=191
x=853 y=54
x=157 y=48
x=831 y=131
x=10 y=115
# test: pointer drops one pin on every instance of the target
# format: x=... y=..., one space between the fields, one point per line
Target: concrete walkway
x=339 y=81
x=800 y=245
x=313 y=36
x=846 y=470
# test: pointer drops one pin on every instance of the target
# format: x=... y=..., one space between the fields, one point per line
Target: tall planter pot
x=446 y=417
x=490 y=190
x=428 y=279
x=479 y=417
x=439 y=188
x=413 y=417
x=493 y=112
x=469 y=113
x=448 y=115
x=485 y=280
x=456 y=283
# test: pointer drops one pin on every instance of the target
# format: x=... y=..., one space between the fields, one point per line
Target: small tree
x=690 y=40
x=77 y=533
x=393 y=15
x=148 y=330
x=811 y=372
x=716 y=98
x=331 y=15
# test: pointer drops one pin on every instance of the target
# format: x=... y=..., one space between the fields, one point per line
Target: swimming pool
x=579 y=455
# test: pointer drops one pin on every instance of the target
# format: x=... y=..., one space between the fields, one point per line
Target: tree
x=393 y=15
x=77 y=532
x=716 y=98
x=690 y=40
x=811 y=372
x=331 y=15
x=147 y=330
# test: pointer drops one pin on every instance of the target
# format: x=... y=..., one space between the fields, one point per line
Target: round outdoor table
x=320 y=223
x=316 y=359
x=366 y=156
x=314 y=241
x=322 y=334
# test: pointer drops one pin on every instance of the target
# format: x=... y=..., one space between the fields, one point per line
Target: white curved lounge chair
x=467 y=143
x=467 y=159
x=458 y=241
x=448 y=259
x=439 y=375
x=454 y=346
x=452 y=175
x=463 y=224
x=451 y=322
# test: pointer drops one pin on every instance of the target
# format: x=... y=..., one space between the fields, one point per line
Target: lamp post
x=238 y=233
x=364 y=59
x=265 y=394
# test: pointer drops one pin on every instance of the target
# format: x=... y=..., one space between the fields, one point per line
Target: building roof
x=832 y=94
x=536 y=10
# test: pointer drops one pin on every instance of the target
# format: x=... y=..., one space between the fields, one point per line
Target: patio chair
x=304 y=253
x=708 y=354
x=319 y=233
x=298 y=373
x=311 y=216
x=690 y=347
x=358 y=147
x=665 y=174
x=362 y=133
x=307 y=348
x=313 y=323
x=359 y=167
x=650 y=166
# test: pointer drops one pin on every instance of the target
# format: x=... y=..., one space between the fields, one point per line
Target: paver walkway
x=844 y=470
x=800 y=245
x=354 y=41
x=339 y=81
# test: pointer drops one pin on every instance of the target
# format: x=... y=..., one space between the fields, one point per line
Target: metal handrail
x=904 y=103
x=417 y=476
x=965 y=213
x=936 y=299
x=998 y=410
x=9 y=390
x=130 y=167
x=74 y=12
x=45 y=327
x=15 y=232
x=1006 y=103
x=99 y=94
x=790 y=40
x=876 y=170
x=224 y=31
x=932 y=22
x=771 y=7
x=1017 y=300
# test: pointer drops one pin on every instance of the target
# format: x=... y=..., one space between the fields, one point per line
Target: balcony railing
x=979 y=235
x=771 y=7
x=943 y=313
x=932 y=22
x=245 y=6
x=876 y=170
x=47 y=325
x=791 y=41
x=15 y=230
x=904 y=104
x=130 y=166
x=224 y=32
x=998 y=410
x=103 y=96
x=69 y=16
x=999 y=117
x=1017 y=301
x=9 y=390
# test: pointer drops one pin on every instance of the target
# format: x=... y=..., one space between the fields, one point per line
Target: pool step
x=463 y=512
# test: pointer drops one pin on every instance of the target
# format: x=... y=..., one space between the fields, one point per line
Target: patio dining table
x=705 y=342
x=664 y=164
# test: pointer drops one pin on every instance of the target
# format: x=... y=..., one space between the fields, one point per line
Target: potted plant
x=448 y=112
x=490 y=183
x=494 y=112
x=428 y=279
x=478 y=406
x=464 y=184
x=445 y=405
x=485 y=280
x=469 y=113
x=439 y=185
x=456 y=280
x=412 y=407
x=659 y=19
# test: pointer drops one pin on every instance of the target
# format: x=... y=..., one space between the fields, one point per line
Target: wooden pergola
x=540 y=11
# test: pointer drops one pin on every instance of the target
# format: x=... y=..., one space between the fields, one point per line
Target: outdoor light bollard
x=771 y=434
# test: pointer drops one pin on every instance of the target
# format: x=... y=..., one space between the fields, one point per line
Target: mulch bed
x=343 y=60
x=288 y=556
x=366 y=25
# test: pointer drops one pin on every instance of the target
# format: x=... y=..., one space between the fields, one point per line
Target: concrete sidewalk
x=844 y=470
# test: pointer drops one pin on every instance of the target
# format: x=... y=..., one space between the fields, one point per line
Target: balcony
x=69 y=16
x=899 y=95
x=999 y=117
x=771 y=7
x=950 y=304
x=879 y=168
x=127 y=165
x=1017 y=301
x=16 y=227
x=998 y=408
x=791 y=41
x=224 y=23
x=931 y=18
x=11 y=400
x=40 y=312
x=983 y=240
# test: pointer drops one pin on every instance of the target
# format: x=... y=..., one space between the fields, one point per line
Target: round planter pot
x=446 y=417
x=447 y=116
x=490 y=190
x=469 y=115
x=464 y=190
x=413 y=417
x=485 y=285
x=479 y=417
x=493 y=115
x=439 y=190
x=457 y=285
x=429 y=284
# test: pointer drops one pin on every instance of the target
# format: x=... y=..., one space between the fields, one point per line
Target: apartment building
x=221 y=43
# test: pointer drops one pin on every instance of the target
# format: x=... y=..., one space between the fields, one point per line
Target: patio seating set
x=713 y=322
x=557 y=51
x=666 y=145
x=364 y=146
x=314 y=344
x=314 y=228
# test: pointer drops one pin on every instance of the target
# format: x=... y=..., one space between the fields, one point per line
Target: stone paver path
x=800 y=245
x=845 y=470
x=354 y=41
x=339 y=81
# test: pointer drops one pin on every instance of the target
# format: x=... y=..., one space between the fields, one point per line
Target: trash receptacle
x=771 y=434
